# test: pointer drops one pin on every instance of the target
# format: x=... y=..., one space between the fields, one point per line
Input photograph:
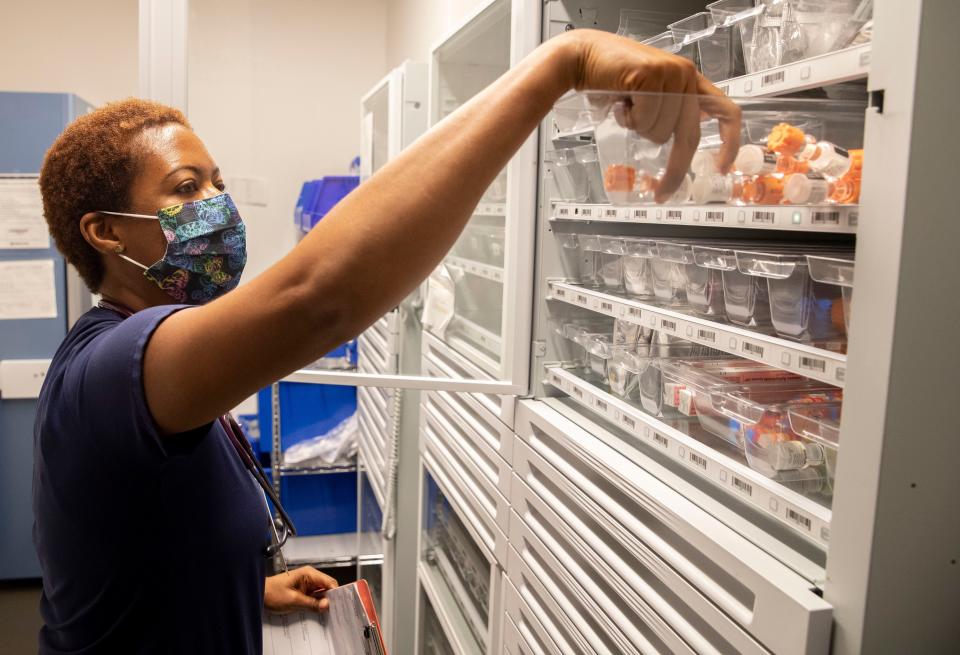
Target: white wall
x=415 y=25
x=88 y=48
x=274 y=91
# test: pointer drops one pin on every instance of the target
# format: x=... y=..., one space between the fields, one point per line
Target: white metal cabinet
x=710 y=583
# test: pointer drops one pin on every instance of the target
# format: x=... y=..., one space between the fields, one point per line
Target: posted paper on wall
x=21 y=214
x=27 y=289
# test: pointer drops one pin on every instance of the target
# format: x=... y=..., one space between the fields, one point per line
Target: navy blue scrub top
x=148 y=544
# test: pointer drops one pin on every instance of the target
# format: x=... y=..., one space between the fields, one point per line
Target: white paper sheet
x=21 y=214
x=27 y=289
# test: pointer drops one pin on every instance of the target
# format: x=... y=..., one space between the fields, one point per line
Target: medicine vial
x=715 y=188
x=683 y=193
x=801 y=189
x=830 y=160
x=767 y=190
x=704 y=163
x=755 y=160
x=786 y=139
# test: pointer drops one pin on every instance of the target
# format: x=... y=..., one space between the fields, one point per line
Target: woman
x=149 y=528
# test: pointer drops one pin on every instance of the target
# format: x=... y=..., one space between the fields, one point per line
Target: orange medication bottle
x=785 y=139
x=767 y=190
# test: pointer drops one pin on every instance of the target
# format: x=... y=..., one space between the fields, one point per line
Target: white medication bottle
x=755 y=160
x=683 y=193
x=806 y=189
x=704 y=162
x=714 y=188
x=830 y=160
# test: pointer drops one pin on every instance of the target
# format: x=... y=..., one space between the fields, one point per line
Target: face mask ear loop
x=156 y=218
x=134 y=262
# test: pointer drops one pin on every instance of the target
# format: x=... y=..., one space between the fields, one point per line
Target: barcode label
x=698 y=460
x=674 y=214
x=606 y=307
x=563 y=211
x=753 y=349
x=586 y=211
x=640 y=214
x=826 y=218
x=799 y=519
x=601 y=405
x=714 y=217
x=633 y=311
x=742 y=486
x=813 y=364
x=629 y=422
x=764 y=217
x=773 y=78
x=668 y=325
x=610 y=213
x=560 y=293
x=578 y=392
x=707 y=335
x=582 y=299
x=662 y=440
x=556 y=381
x=841 y=373
x=854 y=218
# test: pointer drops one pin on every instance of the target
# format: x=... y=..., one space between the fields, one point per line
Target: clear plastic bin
x=688 y=385
x=801 y=308
x=650 y=376
x=703 y=286
x=572 y=113
x=837 y=271
x=580 y=257
x=663 y=41
x=710 y=43
x=610 y=272
x=669 y=280
x=642 y=24
x=630 y=335
x=566 y=336
x=494 y=244
x=818 y=427
x=577 y=173
x=732 y=14
x=783 y=136
x=599 y=349
x=745 y=300
x=638 y=255
x=497 y=191
x=757 y=417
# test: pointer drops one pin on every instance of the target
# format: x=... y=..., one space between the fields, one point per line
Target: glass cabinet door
x=375 y=128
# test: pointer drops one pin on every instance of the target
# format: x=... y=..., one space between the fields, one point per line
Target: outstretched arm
x=382 y=240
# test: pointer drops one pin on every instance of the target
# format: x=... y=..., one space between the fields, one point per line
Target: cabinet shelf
x=808 y=218
x=815 y=363
x=796 y=511
x=830 y=68
x=486 y=271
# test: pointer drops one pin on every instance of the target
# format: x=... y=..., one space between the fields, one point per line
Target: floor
x=19 y=617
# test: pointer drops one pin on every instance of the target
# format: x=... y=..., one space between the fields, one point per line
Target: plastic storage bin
x=638 y=256
x=757 y=417
x=642 y=24
x=577 y=173
x=650 y=377
x=708 y=43
x=580 y=254
x=688 y=385
x=611 y=263
x=817 y=427
x=663 y=41
x=801 y=308
x=568 y=337
x=703 y=286
x=745 y=300
x=669 y=279
x=836 y=271
x=329 y=191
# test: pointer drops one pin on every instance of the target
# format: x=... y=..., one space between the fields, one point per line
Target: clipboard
x=350 y=626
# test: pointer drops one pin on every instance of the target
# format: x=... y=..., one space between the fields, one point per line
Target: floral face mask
x=206 y=249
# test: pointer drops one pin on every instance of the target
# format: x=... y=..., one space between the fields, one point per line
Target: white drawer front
x=449 y=363
x=620 y=627
x=472 y=477
x=464 y=493
x=710 y=583
x=537 y=629
x=482 y=445
x=375 y=405
x=371 y=352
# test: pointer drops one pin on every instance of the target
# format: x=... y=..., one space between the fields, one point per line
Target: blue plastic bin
x=328 y=192
x=320 y=504
x=306 y=410
x=305 y=200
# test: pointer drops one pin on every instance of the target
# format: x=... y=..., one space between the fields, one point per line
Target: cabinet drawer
x=369 y=352
x=465 y=492
x=472 y=477
x=484 y=447
x=375 y=405
x=443 y=360
x=713 y=587
x=536 y=629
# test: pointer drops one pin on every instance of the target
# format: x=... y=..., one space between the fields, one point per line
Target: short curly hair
x=91 y=166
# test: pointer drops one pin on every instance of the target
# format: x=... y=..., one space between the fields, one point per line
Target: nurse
x=150 y=529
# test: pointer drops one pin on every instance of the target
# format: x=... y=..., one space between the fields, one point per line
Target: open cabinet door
x=478 y=301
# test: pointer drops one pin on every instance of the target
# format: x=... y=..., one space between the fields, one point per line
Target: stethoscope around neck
x=281 y=526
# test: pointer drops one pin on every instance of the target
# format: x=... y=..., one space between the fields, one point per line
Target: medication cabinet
x=631 y=443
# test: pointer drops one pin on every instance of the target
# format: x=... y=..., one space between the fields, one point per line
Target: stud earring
x=118 y=249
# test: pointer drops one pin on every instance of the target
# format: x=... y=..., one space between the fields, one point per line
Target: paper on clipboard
x=350 y=627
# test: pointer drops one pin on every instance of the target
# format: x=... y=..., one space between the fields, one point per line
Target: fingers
x=310 y=579
x=686 y=138
x=680 y=72
x=714 y=103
